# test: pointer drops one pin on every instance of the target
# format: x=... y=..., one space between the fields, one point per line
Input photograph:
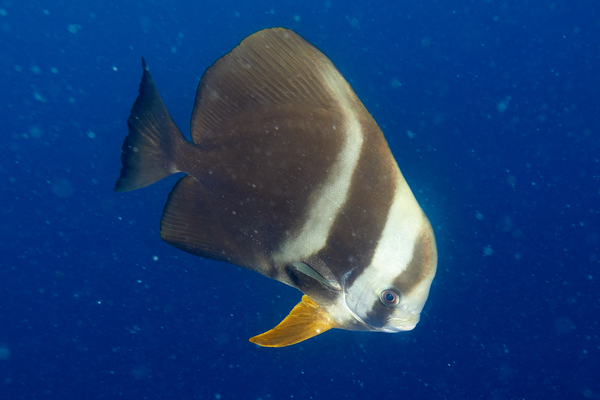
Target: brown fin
x=190 y=223
x=270 y=70
x=148 y=153
x=307 y=319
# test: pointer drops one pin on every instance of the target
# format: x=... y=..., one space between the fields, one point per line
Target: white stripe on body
x=328 y=199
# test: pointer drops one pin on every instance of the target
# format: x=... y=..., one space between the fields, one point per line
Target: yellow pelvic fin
x=307 y=319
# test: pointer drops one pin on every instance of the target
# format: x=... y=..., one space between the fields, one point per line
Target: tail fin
x=149 y=151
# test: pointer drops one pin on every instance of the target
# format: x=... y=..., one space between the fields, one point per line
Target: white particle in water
x=39 y=97
x=62 y=188
x=502 y=106
x=74 y=28
x=35 y=132
x=4 y=353
x=487 y=250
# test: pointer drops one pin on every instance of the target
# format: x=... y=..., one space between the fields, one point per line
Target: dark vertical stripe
x=358 y=227
x=420 y=266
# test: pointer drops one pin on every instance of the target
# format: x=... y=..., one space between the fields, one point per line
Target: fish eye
x=390 y=298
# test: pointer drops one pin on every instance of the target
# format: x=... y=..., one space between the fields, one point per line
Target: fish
x=288 y=175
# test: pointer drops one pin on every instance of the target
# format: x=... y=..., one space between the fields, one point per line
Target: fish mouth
x=403 y=325
x=392 y=328
x=401 y=328
x=388 y=327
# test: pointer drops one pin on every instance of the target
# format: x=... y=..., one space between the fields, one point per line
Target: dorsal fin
x=273 y=68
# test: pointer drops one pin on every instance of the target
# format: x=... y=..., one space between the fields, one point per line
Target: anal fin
x=191 y=223
x=307 y=319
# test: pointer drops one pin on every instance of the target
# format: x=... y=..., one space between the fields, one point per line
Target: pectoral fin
x=307 y=319
x=308 y=270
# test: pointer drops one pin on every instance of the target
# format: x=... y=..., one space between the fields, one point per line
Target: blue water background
x=491 y=109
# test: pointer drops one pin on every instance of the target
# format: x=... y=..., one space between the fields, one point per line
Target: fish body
x=288 y=175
